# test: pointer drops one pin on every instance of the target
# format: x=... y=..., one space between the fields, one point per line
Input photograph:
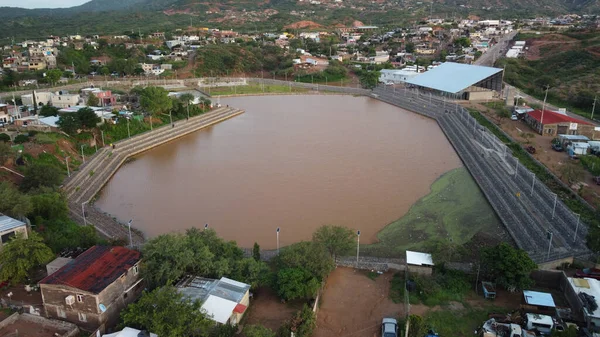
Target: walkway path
x=85 y=183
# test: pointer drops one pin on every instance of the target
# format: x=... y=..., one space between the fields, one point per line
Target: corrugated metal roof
x=538 y=298
x=453 y=77
x=551 y=117
x=95 y=269
x=8 y=223
x=419 y=259
x=219 y=309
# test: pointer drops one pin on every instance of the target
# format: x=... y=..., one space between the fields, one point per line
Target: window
x=79 y=298
x=61 y=313
x=135 y=270
x=7 y=237
x=82 y=317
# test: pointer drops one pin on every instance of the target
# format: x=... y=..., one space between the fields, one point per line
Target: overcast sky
x=41 y=3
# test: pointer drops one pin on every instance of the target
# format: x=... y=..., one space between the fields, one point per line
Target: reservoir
x=294 y=162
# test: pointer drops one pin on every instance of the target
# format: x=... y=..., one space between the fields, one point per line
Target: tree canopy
x=41 y=175
x=20 y=255
x=53 y=75
x=509 y=267
x=336 y=239
x=93 y=100
x=165 y=312
x=12 y=202
x=71 y=122
x=155 y=100
x=311 y=256
x=6 y=152
x=48 y=110
x=293 y=283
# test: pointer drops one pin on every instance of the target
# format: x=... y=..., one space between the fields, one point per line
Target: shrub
x=20 y=139
x=4 y=138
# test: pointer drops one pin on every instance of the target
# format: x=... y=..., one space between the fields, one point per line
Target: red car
x=588 y=272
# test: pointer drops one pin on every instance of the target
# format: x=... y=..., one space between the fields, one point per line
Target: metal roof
x=8 y=223
x=453 y=77
x=419 y=259
x=219 y=309
x=538 y=298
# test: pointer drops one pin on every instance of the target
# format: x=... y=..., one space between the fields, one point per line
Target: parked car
x=588 y=272
x=389 y=327
x=514 y=118
x=530 y=149
x=557 y=147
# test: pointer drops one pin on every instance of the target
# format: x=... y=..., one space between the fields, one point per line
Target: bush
x=592 y=164
x=32 y=133
x=4 y=138
x=20 y=139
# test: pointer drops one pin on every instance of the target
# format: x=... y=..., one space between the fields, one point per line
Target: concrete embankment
x=85 y=183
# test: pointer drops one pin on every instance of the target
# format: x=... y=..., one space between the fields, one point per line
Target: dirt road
x=353 y=305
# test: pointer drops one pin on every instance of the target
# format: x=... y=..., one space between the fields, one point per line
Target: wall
x=480 y=95
x=552 y=265
x=422 y=270
x=70 y=330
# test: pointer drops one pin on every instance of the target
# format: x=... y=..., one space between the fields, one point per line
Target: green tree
x=256 y=251
x=409 y=47
x=418 y=327
x=88 y=117
x=258 y=331
x=50 y=205
x=41 y=175
x=186 y=99
x=93 y=100
x=22 y=138
x=311 y=256
x=104 y=71
x=166 y=259
x=304 y=323
x=69 y=122
x=369 y=79
x=165 y=312
x=4 y=138
x=53 y=75
x=48 y=110
x=12 y=202
x=507 y=266
x=255 y=273
x=293 y=283
x=336 y=239
x=6 y=152
x=20 y=255
x=155 y=100
x=464 y=42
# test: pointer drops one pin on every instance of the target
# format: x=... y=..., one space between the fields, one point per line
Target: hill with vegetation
x=569 y=63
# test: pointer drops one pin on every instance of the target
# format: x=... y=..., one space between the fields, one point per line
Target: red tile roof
x=95 y=269
x=551 y=117
x=239 y=309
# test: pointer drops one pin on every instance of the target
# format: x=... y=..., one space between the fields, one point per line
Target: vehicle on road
x=389 y=327
x=557 y=147
x=588 y=272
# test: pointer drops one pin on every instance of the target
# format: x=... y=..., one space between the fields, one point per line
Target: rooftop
x=29 y=325
x=95 y=269
x=419 y=259
x=538 y=298
x=588 y=286
x=130 y=332
x=453 y=77
x=8 y=223
x=551 y=117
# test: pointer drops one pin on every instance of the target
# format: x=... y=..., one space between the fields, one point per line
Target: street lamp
x=277 y=240
x=544 y=108
x=357 y=246
x=205 y=226
x=550 y=235
x=576 y=227
x=82 y=155
x=128 y=132
x=83 y=212
x=129 y=226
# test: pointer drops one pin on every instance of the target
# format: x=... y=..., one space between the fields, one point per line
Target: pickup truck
x=588 y=272
x=491 y=328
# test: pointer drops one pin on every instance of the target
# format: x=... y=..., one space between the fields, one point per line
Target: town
x=77 y=110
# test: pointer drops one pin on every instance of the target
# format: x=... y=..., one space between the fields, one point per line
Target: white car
x=514 y=118
x=389 y=327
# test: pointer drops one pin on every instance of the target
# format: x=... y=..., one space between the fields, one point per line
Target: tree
x=507 y=266
x=186 y=99
x=93 y=100
x=12 y=202
x=69 y=122
x=369 y=79
x=258 y=331
x=417 y=326
x=41 y=174
x=293 y=283
x=20 y=255
x=166 y=259
x=50 y=205
x=256 y=252
x=53 y=75
x=304 y=323
x=104 y=71
x=165 y=312
x=410 y=47
x=572 y=172
x=462 y=42
x=336 y=239
x=310 y=256
x=48 y=110
x=6 y=152
x=88 y=117
x=4 y=138
x=22 y=138
x=155 y=100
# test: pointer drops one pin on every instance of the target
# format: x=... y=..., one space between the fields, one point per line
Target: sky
x=41 y=3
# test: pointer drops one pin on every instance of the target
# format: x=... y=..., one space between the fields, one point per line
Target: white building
x=10 y=227
x=58 y=99
x=396 y=76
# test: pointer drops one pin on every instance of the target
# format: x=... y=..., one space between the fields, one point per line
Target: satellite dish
x=102 y=307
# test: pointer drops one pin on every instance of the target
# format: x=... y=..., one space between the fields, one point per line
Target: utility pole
x=544 y=108
x=594 y=107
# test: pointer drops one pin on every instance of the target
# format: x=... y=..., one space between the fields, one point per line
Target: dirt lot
x=353 y=305
x=266 y=309
x=555 y=43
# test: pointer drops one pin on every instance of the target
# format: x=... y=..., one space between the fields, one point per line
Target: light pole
x=357 y=246
x=83 y=212
x=171 y=116
x=82 y=155
x=128 y=132
x=543 y=108
x=576 y=227
x=129 y=227
x=205 y=226
x=188 y=107
x=550 y=234
x=67 y=162
x=594 y=107
x=277 y=240
x=554 y=207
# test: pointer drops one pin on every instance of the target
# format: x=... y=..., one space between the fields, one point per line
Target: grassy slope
x=455 y=209
x=252 y=89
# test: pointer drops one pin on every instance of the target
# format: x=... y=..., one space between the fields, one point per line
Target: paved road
x=497 y=51
x=522 y=202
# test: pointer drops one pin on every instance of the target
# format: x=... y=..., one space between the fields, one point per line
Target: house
x=419 y=263
x=34 y=325
x=56 y=264
x=9 y=228
x=550 y=123
x=224 y=300
x=130 y=332
x=396 y=75
x=538 y=303
x=60 y=99
x=4 y=116
x=92 y=289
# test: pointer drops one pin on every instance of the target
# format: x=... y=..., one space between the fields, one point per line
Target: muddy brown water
x=294 y=162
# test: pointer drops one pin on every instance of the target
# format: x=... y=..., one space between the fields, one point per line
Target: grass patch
x=442 y=287
x=454 y=210
x=47 y=138
x=459 y=323
x=590 y=217
x=253 y=89
x=372 y=275
x=591 y=163
x=397 y=288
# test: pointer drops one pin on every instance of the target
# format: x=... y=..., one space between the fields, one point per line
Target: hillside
x=574 y=58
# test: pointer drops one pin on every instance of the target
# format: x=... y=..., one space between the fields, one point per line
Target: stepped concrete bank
x=85 y=183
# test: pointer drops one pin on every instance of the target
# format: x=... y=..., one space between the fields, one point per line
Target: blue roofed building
x=9 y=228
x=538 y=302
x=460 y=81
